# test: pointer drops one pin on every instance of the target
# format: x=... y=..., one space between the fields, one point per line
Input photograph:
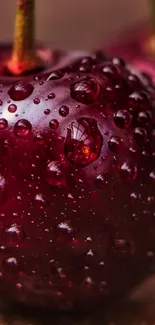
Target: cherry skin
x=77 y=182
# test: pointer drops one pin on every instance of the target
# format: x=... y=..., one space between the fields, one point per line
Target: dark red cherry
x=77 y=182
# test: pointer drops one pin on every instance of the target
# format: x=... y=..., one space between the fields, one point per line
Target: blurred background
x=77 y=23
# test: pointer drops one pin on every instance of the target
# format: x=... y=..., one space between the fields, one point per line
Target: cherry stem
x=24 y=58
x=152 y=16
x=150 y=44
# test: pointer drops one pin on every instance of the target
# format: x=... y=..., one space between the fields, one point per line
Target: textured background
x=77 y=23
x=84 y=24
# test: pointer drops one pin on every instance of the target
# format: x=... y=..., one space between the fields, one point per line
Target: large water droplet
x=83 y=142
x=20 y=90
x=122 y=119
x=22 y=128
x=128 y=172
x=12 y=108
x=115 y=144
x=3 y=123
x=13 y=235
x=85 y=91
x=55 y=174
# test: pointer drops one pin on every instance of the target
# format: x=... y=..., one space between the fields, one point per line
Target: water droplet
x=88 y=280
x=65 y=226
x=85 y=91
x=36 y=101
x=51 y=96
x=100 y=181
x=55 y=173
x=150 y=199
x=10 y=265
x=123 y=247
x=54 y=124
x=110 y=70
x=115 y=144
x=118 y=62
x=133 y=81
x=64 y=232
x=139 y=134
x=13 y=235
x=39 y=198
x=122 y=119
x=36 y=78
x=90 y=253
x=139 y=100
x=128 y=172
x=144 y=118
x=47 y=111
x=55 y=75
x=3 y=123
x=39 y=138
x=20 y=90
x=64 y=111
x=83 y=142
x=22 y=128
x=12 y=108
x=152 y=176
x=135 y=197
x=2 y=189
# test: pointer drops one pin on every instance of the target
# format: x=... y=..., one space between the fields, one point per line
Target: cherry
x=77 y=176
x=77 y=182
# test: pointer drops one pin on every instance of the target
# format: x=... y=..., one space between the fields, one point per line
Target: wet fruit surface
x=77 y=182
